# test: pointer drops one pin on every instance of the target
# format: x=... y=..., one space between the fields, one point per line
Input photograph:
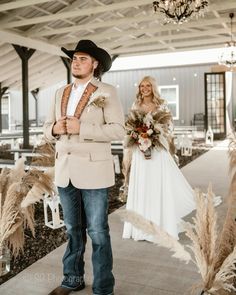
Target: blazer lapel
x=65 y=99
x=89 y=90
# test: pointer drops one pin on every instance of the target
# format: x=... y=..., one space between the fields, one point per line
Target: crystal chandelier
x=228 y=56
x=179 y=11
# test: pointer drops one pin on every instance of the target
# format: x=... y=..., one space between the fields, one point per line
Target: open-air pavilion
x=32 y=66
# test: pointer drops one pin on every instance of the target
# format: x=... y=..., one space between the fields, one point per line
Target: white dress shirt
x=75 y=96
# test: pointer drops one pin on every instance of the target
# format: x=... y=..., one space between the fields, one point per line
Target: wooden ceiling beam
x=75 y=13
x=181 y=45
x=14 y=38
x=20 y=3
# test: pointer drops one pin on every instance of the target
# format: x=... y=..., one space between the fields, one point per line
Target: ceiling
x=122 y=27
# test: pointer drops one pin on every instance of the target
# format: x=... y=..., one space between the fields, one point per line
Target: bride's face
x=145 y=89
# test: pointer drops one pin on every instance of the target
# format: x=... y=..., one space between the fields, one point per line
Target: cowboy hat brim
x=98 y=53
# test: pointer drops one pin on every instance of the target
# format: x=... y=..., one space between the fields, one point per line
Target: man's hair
x=98 y=71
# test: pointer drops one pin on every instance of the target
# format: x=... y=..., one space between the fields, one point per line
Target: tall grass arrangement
x=19 y=191
x=213 y=252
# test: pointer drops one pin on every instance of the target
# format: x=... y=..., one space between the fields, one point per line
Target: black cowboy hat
x=87 y=46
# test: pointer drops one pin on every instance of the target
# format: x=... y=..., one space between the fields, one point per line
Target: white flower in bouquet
x=148 y=120
x=144 y=143
x=149 y=132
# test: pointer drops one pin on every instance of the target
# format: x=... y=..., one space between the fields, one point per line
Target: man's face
x=83 y=65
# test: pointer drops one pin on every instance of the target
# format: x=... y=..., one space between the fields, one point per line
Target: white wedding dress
x=159 y=192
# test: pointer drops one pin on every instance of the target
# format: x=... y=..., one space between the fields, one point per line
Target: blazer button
x=68 y=153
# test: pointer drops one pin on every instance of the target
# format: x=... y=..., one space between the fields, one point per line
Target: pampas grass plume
x=161 y=237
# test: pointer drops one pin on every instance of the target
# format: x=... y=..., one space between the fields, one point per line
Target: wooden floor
x=140 y=268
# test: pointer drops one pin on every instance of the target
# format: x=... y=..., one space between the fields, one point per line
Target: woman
x=157 y=189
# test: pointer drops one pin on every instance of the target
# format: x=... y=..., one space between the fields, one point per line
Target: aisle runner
x=210 y=167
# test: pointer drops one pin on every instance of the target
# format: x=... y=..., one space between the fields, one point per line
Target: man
x=85 y=117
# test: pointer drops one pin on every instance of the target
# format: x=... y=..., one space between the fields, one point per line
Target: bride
x=157 y=188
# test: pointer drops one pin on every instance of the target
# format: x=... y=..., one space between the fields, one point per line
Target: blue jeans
x=87 y=208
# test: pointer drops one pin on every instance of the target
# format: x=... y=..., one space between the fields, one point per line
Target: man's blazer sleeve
x=50 y=121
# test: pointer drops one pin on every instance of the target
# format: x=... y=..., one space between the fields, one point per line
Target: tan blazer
x=86 y=159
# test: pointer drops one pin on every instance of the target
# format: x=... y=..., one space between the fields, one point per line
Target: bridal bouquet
x=148 y=130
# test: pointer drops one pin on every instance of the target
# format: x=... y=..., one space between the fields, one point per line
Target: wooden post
x=67 y=63
x=25 y=54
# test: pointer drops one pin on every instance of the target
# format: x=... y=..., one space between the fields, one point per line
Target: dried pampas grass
x=203 y=235
x=225 y=275
x=214 y=259
x=46 y=155
x=126 y=164
x=161 y=237
x=42 y=186
x=213 y=254
x=223 y=265
x=19 y=190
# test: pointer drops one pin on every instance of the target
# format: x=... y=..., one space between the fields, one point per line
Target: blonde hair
x=157 y=100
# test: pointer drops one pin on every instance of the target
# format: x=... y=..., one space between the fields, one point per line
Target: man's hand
x=60 y=127
x=72 y=125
